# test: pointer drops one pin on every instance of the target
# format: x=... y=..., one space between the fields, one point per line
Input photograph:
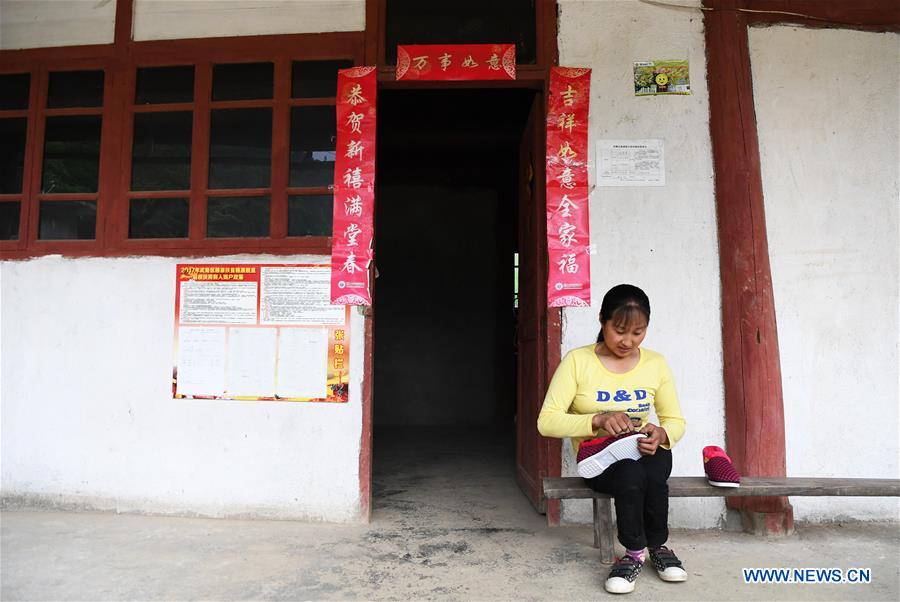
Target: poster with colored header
x=456 y=62
x=354 y=187
x=568 y=220
x=259 y=332
x=657 y=78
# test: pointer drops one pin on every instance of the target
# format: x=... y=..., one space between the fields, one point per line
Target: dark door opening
x=447 y=229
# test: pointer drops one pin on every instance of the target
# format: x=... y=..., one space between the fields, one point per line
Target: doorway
x=447 y=239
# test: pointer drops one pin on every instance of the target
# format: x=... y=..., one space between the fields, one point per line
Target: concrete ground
x=447 y=525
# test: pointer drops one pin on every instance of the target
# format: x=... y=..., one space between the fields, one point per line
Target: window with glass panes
x=223 y=183
x=14 y=103
x=196 y=146
x=71 y=124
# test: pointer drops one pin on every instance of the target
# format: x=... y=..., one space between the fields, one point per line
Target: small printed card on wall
x=456 y=62
x=657 y=78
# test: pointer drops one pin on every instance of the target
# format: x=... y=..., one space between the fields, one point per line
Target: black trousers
x=641 y=491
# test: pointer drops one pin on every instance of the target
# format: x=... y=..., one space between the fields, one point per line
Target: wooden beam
x=868 y=15
x=124 y=25
x=754 y=409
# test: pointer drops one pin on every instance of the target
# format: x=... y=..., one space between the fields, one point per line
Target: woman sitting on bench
x=600 y=397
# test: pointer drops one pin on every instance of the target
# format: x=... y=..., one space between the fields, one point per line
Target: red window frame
x=120 y=63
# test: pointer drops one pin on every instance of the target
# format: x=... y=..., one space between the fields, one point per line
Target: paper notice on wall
x=251 y=362
x=631 y=163
x=264 y=332
x=201 y=362
x=297 y=295
x=298 y=376
x=218 y=302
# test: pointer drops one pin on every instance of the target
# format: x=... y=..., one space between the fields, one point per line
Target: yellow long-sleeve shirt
x=582 y=387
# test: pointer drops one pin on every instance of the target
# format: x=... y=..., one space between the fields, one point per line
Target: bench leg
x=604 y=538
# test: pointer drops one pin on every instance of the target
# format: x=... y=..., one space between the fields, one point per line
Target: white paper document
x=631 y=163
x=251 y=362
x=302 y=362
x=298 y=296
x=218 y=302
x=201 y=361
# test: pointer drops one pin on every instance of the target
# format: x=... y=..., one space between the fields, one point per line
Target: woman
x=606 y=391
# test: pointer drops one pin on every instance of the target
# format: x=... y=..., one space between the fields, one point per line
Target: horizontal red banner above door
x=456 y=62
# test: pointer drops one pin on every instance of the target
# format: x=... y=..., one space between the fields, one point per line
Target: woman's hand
x=656 y=436
x=614 y=423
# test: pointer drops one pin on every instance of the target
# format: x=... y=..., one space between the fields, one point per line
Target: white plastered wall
x=175 y=19
x=50 y=23
x=662 y=239
x=88 y=419
x=827 y=104
x=45 y=23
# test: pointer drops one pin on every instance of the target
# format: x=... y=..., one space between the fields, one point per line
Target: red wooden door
x=537 y=328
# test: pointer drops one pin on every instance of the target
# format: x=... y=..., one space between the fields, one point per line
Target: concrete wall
x=173 y=19
x=43 y=23
x=827 y=105
x=88 y=418
x=661 y=239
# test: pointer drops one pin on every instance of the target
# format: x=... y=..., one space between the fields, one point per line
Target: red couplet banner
x=568 y=224
x=456 y=62
x=354 y=187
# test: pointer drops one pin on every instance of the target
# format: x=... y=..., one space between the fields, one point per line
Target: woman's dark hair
x=622 y=304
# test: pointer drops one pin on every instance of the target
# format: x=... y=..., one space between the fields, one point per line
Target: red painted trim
x=160 y=108
x=159 y=194
x=242 y=104
x=868 y=15
x=69 y=196
x=373 y=40
x=311 y=102
x=124 y=23
x=549 y=56
x=38 y=100
x=372 y=55
x=366 y=435
x=752 y=371
x=237 y=192
x=13 y=113
x=311 y=191
x=249 y=49
x=65 y=57
x=163 y=247
x=281 y=142
x=200 y=151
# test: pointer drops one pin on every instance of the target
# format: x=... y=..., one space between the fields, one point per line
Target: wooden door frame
x=534 y=77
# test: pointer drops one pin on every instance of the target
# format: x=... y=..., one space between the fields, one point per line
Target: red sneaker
x=596 y=455
x=719 y=469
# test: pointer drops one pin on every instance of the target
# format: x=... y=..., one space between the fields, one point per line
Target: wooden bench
x=573 y=488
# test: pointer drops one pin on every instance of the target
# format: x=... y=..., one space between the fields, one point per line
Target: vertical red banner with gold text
x=568 y=224
x=354 y=187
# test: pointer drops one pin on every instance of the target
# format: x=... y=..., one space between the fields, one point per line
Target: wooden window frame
x=120 y=62
x=21 y=196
